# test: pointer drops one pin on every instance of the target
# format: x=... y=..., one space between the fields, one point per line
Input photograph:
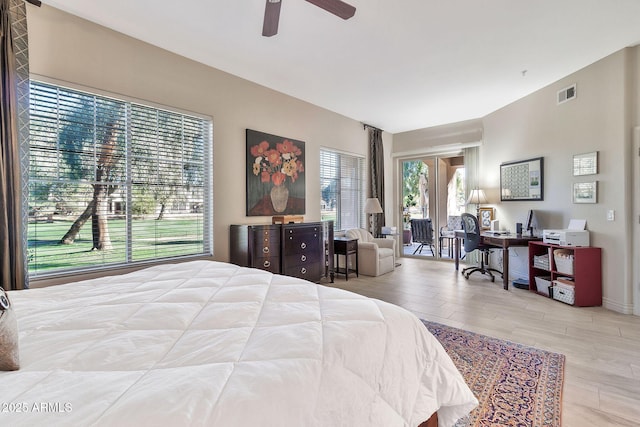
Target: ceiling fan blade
x=337 y=7
x=271 y=18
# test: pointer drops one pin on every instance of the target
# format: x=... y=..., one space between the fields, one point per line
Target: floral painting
x=275 y=175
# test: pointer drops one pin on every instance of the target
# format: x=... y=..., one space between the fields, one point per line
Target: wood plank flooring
x=602 y=347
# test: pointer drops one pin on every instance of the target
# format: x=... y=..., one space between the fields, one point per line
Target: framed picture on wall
x=275 y=175
x=522 y=180
x=585 y=192
x=485 y=216
x=585 y=164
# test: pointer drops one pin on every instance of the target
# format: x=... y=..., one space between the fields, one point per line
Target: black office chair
x=472 y=242
x=422 y=232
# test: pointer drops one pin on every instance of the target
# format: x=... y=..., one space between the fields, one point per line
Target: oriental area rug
x=516 y=385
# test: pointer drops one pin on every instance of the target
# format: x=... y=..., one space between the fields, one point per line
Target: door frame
x=636 y=222
x=436 y=156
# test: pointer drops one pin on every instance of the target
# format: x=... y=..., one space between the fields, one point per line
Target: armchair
x=422 y=232
x=448 y=233
x=375 y=256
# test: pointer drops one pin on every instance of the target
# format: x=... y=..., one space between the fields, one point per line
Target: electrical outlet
x=611 y=215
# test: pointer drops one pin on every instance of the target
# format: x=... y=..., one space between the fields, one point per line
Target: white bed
x=210 y=343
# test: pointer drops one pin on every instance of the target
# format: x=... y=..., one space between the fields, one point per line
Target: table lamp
x=477 y=197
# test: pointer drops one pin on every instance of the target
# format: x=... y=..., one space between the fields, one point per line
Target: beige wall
x=596 y=120
x=70 y=49
x=601 y=118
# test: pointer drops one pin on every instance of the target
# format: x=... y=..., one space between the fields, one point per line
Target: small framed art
x=485 y=216
x=585 y=164
x=585 y=192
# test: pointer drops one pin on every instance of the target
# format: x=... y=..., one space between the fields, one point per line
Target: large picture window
x=114 y=182
x=342 y=186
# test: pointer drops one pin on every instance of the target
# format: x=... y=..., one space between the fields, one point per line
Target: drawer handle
x=303 y=271
x=303 y=258
x=303 y=245
x=267 y=264
x=265 y=250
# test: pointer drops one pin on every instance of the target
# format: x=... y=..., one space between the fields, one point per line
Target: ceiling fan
x=272 y=13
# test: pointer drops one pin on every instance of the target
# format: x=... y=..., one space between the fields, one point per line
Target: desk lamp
x=372 y=206
x=477 y=197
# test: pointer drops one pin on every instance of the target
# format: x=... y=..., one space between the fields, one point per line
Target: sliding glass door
x=433 y=189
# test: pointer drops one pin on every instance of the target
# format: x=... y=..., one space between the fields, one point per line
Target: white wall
x=70 y=49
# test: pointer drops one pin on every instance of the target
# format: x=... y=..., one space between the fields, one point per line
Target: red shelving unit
x=587 y=271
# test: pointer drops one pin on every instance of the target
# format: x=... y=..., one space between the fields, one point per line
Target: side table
x=345 y=246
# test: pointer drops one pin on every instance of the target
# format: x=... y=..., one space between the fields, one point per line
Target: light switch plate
x=611 y=215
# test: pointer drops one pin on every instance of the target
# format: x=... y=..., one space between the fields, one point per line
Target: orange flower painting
x=275 y=175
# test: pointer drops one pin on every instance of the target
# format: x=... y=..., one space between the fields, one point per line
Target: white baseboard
x=615 y=306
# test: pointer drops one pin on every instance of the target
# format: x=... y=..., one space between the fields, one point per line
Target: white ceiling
x=397 y=64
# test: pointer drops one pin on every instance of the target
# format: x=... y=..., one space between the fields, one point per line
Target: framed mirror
x=522 y=180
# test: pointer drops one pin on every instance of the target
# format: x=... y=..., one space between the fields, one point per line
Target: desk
x=503 y=241
x=345 y=246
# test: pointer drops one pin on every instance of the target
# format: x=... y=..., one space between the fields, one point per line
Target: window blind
x=114 y=182
x=342 y=185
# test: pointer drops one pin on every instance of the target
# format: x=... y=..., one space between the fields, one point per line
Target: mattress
x=210 y=343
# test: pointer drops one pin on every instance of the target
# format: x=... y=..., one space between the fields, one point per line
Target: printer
x=566 y=237
x=575 y=234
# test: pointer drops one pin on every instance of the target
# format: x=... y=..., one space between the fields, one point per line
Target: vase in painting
x=279 y=197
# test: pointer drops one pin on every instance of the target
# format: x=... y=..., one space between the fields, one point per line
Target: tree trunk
x=161 y=214
x=99 y=225
x=97 y=208
x=72 y=233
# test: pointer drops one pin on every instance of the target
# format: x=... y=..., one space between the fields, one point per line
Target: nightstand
x=345 y=246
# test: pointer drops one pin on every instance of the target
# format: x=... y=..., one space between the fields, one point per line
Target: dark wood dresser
x=303 y=250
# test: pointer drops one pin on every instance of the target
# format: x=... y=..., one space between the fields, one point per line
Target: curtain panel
x=14 y=130
x=471 y=173
x=376 y=174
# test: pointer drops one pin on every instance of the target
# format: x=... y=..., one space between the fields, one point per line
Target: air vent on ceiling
x=567 y=94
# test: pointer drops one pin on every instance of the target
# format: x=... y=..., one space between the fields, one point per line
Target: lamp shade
x=372 y=206
x=476 y=197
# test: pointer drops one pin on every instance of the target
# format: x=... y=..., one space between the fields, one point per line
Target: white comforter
x=209 y=343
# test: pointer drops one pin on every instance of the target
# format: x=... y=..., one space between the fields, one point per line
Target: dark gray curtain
x=12 y=234
x=376 y=175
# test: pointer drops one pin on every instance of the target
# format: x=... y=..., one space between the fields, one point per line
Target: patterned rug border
x=499 y=398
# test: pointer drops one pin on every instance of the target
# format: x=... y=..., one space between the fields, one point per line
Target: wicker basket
x=543 y=284
x=564 y=293
x=564 y=261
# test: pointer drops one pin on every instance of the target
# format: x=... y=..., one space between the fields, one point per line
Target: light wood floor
x=602 y=347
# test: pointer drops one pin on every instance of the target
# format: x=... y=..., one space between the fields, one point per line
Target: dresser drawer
x=266 y=241
x=312 y=272
x=271 y=264
x=302 y=241
x=301 y=259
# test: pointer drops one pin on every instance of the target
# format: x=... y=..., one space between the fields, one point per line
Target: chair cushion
x=454 y=222
x=359 y=233
x=385 y=252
